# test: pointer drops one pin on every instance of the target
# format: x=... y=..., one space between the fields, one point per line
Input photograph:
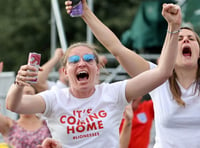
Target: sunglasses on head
x=76 y=58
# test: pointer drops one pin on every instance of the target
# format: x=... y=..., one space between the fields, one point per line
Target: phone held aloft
x=77 y=8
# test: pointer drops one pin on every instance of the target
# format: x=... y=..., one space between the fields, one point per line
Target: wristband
x=173 y=32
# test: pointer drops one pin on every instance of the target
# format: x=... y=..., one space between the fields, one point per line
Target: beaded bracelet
x=173 y=32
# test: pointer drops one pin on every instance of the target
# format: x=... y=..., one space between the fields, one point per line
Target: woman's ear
x=98 y=74
x=98 y=68
x=61 y=70
x=64 y=71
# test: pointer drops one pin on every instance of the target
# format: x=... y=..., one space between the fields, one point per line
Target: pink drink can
x=77 y=8
x=34 y=60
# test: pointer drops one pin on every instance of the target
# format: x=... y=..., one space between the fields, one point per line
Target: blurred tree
x=191 y=14
x=117 y=15
x=148 y=28
x=25 y=26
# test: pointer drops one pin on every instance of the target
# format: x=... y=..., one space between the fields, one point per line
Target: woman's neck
x=186 y=76
x=85 y=93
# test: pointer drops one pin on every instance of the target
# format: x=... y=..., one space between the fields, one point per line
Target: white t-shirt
x=88 y=122
x=176 y=126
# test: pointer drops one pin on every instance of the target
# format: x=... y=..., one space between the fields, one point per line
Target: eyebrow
x=187 y=35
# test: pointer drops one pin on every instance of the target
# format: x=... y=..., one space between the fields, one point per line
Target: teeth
x=82 y=75
x=82 y=72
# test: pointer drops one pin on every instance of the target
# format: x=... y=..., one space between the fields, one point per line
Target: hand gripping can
x=77 y=8
x=34 y=60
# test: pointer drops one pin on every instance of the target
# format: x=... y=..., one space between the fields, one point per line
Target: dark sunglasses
x=76 y=58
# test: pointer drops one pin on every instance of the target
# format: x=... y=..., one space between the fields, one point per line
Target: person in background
x=28 y=131
x=125 y=130
x=1 y=66
x=50 y=143
x=103 y=60
x=141 y=123
x=3 y=144
x=43 y=83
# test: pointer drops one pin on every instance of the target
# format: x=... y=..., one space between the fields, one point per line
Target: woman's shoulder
x=6 y=125
x=53 y=92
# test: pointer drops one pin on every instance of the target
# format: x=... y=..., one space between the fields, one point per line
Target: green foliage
x=25 y=26
x=191 y=13
x=117 y=15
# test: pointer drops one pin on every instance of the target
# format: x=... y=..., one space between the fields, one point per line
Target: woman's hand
x=128 y=113
x=172 y=14
x=26 y=73
x=68 y=6
x=50 y=143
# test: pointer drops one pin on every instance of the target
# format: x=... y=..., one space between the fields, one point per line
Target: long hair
x=176 y=92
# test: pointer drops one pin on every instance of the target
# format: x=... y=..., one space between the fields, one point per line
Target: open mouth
x=83 y=75
x=187 y=51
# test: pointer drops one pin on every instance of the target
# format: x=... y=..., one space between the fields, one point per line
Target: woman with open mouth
x=87 y=114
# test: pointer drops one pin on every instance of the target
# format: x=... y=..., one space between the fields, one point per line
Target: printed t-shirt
x=86 y=122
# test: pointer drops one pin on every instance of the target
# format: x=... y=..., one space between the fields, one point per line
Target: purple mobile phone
x=77 y=8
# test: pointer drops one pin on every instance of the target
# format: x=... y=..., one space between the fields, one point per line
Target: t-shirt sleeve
x=152 y=65
x=118 y=90
x=49 y=97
